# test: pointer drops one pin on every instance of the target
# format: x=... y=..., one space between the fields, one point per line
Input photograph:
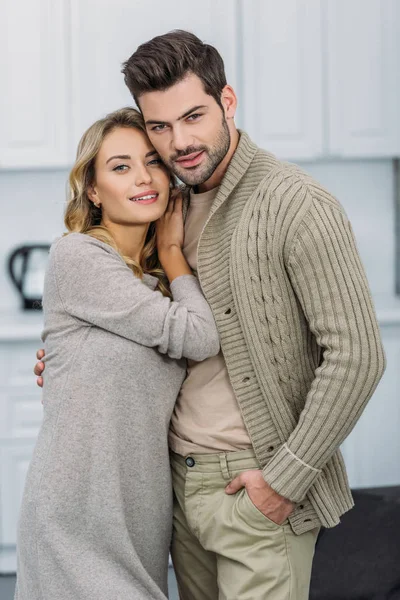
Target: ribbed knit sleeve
x=329 y=281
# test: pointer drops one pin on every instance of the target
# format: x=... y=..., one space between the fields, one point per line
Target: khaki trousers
x=223 y=547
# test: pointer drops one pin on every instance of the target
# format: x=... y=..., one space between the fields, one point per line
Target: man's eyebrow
x=123 y=156
x=186 y=114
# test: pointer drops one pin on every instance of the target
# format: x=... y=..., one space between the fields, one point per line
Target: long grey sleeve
x=96 y=286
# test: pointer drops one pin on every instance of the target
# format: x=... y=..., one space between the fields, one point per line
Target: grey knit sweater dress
x=95 y=521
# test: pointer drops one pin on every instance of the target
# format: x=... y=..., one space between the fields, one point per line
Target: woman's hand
x=169 y=227
x=170 y=234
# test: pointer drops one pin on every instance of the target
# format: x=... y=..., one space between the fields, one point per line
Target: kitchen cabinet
x=315 y=78
x=63 y=67
x=34 y=103
x=20 y=420
x=105 y=34
x=281 y=79
x=363 y=77
x=321 y=77
x=15 y=461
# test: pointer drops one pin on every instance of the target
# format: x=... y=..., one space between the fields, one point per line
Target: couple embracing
x=208 y=348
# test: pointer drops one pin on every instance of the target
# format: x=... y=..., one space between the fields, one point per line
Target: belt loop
x=224 y=466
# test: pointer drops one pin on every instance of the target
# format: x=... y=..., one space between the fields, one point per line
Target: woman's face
x=131 y=183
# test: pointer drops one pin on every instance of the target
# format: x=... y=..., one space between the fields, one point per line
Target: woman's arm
x=170 y=235
x=96 y=286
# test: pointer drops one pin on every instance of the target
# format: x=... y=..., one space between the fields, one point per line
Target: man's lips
x=191 y=160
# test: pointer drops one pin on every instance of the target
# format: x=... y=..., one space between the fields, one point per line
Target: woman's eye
x=120 y=168
x=155 y=161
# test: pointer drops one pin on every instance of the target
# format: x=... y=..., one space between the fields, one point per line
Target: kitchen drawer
x=14 y=464
x=21 y=412
x=17 y=360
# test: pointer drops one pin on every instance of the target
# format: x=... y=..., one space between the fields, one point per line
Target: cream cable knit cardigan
x=278 y=264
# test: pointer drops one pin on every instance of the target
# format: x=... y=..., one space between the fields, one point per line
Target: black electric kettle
x=27 y=267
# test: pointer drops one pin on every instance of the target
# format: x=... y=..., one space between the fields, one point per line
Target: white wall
x=366 y=190
x=32 y=204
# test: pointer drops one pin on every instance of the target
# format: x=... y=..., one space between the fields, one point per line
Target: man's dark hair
x=167 y=59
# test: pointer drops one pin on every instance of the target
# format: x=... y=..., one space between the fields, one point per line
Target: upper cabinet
x=322 y=77
x=363 y=77
x=34 y=73
x=314 y=77
x=104 y=34
x=281 y=79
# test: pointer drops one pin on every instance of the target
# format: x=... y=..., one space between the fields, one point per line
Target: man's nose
x=181 y=140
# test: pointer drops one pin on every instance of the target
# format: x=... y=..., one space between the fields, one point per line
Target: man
x=256 y=431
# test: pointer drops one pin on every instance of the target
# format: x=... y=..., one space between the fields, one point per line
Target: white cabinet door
x=104 y=34
x=15 y=462
x=363 y=77
x=372 y=450
x=20 y=420
x=20 y=398
x=34 y=120
x=281 y=76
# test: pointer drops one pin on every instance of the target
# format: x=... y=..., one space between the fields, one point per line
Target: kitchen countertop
x=27 y=325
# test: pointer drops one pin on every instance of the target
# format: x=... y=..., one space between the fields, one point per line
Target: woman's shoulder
x=80 y=247
x=76 y=240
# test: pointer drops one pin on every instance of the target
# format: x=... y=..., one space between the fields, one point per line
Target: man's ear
x=229 y=101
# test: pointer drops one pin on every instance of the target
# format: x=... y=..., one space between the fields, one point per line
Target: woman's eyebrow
x=123 y=156
x=128 y=157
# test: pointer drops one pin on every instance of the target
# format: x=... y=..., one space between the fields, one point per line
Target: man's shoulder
x=278 y=181
x=266 y=167
x=287 y=181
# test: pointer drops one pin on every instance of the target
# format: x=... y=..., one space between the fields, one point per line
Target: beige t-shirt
x=206 y=418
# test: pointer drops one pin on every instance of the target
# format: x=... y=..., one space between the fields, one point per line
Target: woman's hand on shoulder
x=170 y=231
x=170 y=235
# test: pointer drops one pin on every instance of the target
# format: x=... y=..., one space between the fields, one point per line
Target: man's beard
x=213 y=157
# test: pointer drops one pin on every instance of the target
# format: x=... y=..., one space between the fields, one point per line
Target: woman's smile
x=148 y=197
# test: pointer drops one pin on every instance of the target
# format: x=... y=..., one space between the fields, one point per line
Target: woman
x=95 y=521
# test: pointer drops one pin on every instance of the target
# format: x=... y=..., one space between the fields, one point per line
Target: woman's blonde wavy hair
x=82 y=216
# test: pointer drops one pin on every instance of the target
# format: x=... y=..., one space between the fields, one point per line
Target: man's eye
x=158 y=128
x=194 y=117
x=120 y=168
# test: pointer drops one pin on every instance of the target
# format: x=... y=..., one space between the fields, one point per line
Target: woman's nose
x=142 y=176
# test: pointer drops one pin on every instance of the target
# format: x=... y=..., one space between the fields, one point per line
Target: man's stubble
x=214 y=156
